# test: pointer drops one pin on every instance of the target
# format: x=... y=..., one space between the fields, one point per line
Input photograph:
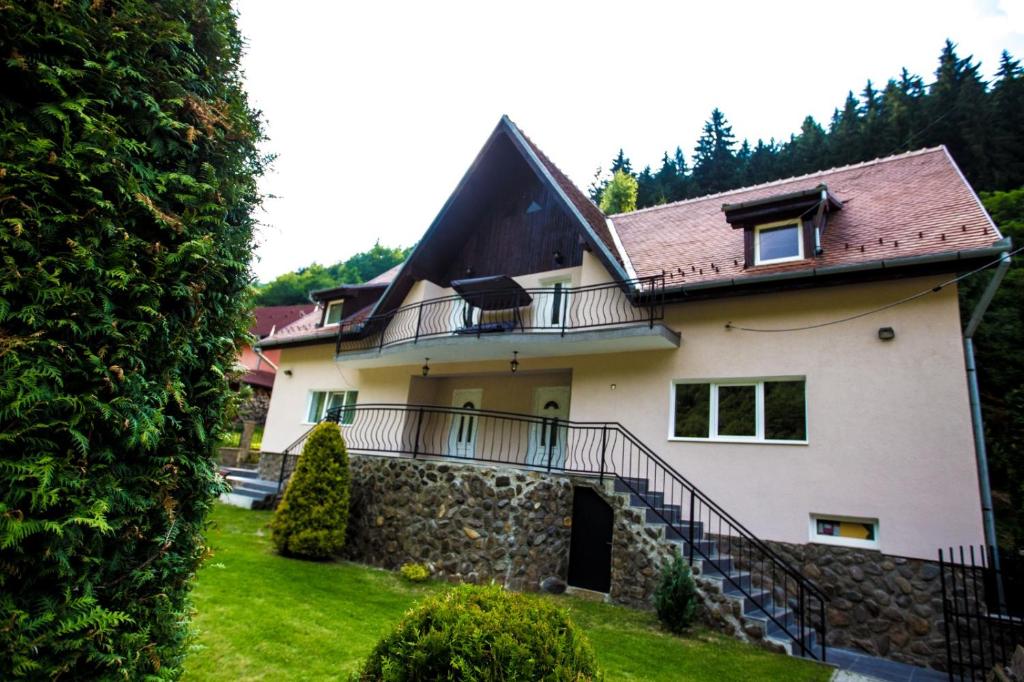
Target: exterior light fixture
x=514 y=365
x=426 y=366
x=559 y=258
x=287 y=372
x=886 y=333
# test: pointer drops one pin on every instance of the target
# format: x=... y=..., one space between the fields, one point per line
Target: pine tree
x=715 y=168
x=846 y=134
x=648 y=191
x=620 y=194
x=621 y=163
x=1008 y=137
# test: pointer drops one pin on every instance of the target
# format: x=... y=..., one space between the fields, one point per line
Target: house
x=773 y=378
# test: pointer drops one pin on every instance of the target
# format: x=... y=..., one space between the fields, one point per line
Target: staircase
x=778 y=623
x=248 y=490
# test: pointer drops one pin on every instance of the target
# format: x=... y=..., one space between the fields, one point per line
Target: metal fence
x=983 y=609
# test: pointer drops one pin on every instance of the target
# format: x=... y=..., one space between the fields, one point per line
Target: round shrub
x=416 y=573
x=310 y=522
x=676 y=597
x=483 y=633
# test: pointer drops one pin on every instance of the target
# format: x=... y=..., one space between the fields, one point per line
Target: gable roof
x=913 y=204
x=269 y=318
x=591 y=222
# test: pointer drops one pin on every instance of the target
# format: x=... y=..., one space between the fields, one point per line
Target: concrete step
x=631 y=485
x=269 y=487
x=240 y=472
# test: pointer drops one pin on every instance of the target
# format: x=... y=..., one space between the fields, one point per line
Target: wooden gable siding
x=506 y=240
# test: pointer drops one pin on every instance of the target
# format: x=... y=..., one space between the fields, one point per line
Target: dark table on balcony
x=493 y=293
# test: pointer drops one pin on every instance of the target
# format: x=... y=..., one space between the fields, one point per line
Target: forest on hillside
x=980 y=122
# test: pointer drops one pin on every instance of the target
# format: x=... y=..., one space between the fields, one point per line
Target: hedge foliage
x=128 y=158
x=414 y=573
x=311 y=520
x=675 y=598
x=483 y=633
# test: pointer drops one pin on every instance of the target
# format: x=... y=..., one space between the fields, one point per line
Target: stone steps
x=757 y=610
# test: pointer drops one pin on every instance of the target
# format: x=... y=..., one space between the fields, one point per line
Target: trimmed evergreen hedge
x=311 y=520
x=127 y=180
x=483 y=633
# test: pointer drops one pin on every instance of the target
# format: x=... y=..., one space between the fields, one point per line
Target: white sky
x=375 y=109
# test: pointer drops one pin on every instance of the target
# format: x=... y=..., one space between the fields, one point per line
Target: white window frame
x=327 y=313
x=327 y=401
x=798 y=223
x=713 y=436
x=841 y=541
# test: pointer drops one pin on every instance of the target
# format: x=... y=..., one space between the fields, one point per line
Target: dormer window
x=333 y=315
x=778 y=242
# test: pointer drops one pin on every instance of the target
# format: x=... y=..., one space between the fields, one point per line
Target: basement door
x=463 y=427
x=590 y=548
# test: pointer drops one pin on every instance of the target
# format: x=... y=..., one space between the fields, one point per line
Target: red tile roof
x=259 y=377
x=306 y=329
x=269 y=318
x=908 y=205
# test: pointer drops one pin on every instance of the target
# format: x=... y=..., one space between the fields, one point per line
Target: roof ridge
x=793 y=178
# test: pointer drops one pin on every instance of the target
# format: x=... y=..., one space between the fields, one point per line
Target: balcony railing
x=551 y=310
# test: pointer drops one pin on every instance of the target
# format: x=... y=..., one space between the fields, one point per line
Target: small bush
x=483 y=633
x=310 y=522
x=676 y=596
x=416 y=573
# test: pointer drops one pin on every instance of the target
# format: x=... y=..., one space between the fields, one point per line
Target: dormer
x=782 y=228
x=333 y=312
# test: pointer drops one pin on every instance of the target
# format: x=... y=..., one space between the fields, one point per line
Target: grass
x=263 y=617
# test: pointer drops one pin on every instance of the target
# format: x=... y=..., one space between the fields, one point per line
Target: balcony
x=491 y=317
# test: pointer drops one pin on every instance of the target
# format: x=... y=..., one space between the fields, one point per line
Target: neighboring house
x=261 y=365
x=695 y=353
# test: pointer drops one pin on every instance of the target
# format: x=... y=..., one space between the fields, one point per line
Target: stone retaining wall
x=883 y=605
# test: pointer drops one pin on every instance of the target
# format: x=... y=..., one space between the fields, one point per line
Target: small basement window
x=778 y=242
x=333 y=315
x=765 y=411
x=844 y=530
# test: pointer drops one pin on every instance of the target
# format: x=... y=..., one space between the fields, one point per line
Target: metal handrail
x=599 y=449
x=552 y=309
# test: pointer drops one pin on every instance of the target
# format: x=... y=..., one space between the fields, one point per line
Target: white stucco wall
x=889 y=433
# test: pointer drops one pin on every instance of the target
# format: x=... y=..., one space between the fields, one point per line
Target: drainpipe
x=987 y=515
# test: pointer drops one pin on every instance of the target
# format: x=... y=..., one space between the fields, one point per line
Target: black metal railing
x=982 y=609
x=776 y=591
x=552 y=309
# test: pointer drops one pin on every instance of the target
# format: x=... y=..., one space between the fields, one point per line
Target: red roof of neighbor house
x=913 y=204
x=384 y=278
x=269 y=318
x=259 y=377
x=307 y=329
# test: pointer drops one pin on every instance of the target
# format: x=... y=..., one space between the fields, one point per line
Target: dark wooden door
x=590 y=548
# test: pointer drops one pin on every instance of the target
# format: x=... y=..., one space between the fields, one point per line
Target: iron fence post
x=604 y=446
x=416 y=443
x=280 y=475
x=419 y=320
x=549 y=438
x=692 y=526
x=802 y=616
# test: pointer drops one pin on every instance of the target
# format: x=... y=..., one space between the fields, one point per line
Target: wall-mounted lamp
x=514 y=365
x=612 y=386
x=559 y=258
x=287 y=372
x=886 y=333
x=426 y=366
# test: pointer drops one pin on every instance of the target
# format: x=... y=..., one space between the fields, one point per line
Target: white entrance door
x=552 y=307
x=547 y=439
x=462 y=431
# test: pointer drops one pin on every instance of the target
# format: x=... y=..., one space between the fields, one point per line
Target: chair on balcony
x=494 y=294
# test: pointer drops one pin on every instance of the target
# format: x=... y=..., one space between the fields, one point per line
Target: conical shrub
x=310 y=522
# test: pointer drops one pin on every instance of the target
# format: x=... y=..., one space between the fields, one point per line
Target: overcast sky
x=375 y=109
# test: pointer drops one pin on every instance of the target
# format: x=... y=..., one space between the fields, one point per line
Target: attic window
x=333 y=315
x=778 y=242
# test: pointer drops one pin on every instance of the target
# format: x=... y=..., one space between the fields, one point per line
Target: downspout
x=987 y=514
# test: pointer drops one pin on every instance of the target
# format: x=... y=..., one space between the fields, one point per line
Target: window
x=333 y=312
x=778 y=242
x=322 y=401
x=769 y=410
x=844 y=530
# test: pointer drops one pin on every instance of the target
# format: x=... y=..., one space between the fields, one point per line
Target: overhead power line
x=937 y=288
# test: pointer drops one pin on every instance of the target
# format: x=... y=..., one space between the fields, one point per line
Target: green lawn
x=263 y=617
